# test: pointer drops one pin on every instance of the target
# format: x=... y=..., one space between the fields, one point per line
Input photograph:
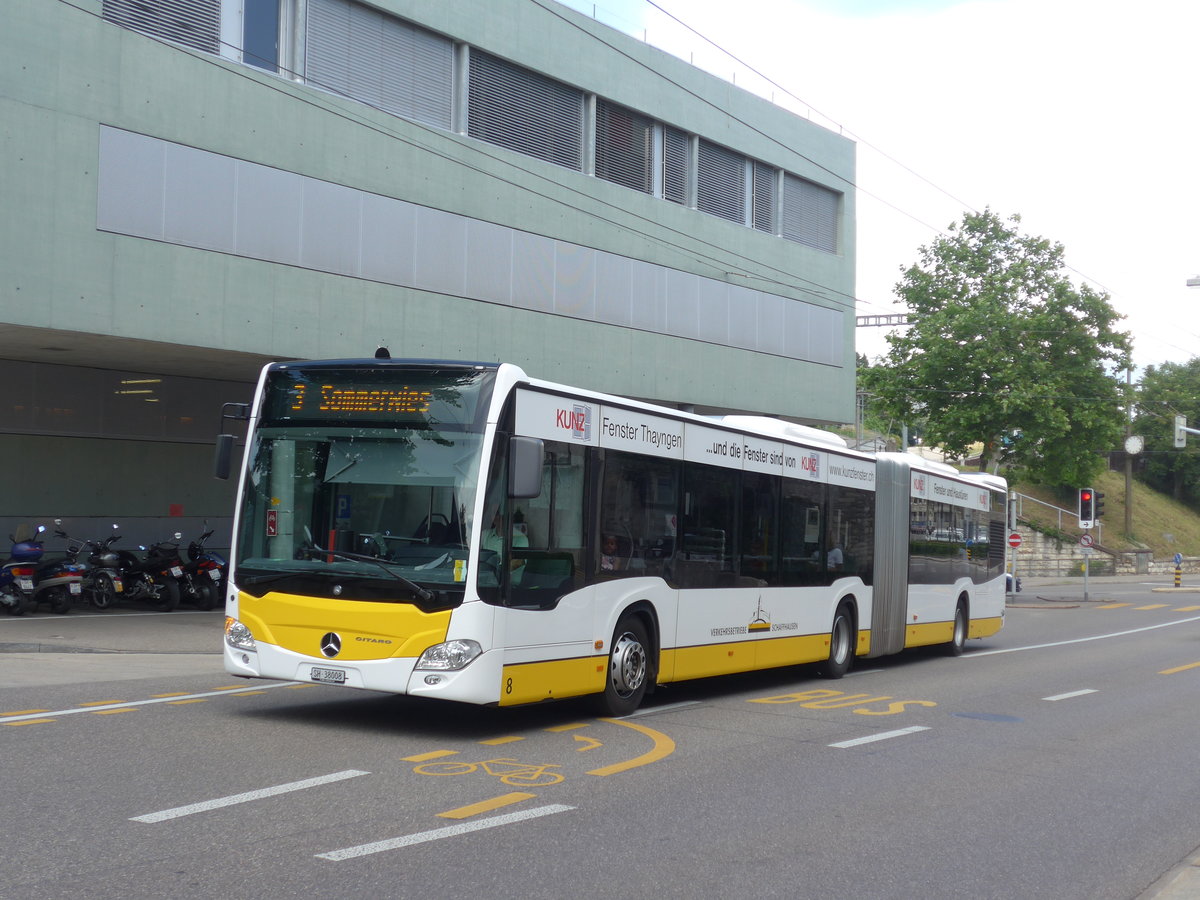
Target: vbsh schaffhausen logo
x=331 y=645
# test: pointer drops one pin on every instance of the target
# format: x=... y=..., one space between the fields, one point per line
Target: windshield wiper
x=422 y=593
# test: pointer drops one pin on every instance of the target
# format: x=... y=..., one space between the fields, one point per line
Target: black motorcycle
x=102 y=581
x=153 y=578
x=205 y=571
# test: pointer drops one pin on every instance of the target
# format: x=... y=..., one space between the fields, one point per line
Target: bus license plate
x=328 y=676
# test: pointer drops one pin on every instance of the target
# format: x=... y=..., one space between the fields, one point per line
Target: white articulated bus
x=463 y=531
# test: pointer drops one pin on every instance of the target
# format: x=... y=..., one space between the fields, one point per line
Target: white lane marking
x=1071 y=694
x=422 y=837
x=70 y=712
x=206 y=805
x=882 y=736
x=1098 y=637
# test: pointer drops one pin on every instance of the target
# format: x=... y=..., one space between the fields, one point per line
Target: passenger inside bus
x=613 y=557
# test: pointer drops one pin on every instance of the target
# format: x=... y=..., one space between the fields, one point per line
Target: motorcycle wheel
x=102 y=594
x=206 y=595
x=14 y=602
x=168 y=595
x=59 y=600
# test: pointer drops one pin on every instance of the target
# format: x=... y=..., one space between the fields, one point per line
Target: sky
x=1080 y=116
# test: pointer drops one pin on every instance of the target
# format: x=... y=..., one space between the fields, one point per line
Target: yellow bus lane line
x=474 y=809
x=1195 y=665
x=663 y=747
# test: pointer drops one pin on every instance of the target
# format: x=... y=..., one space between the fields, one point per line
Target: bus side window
x=638 y=506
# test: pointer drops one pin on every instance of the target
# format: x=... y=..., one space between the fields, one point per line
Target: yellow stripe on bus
x=552 y=679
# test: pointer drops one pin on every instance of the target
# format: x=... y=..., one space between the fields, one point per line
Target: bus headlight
x=238 y=635
x=451 y=655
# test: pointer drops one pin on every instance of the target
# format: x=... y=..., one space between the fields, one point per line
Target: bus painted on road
x=466 y=532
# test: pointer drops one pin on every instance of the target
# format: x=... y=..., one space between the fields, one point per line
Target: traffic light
x=1097 y=506
x=1086 y=507
x=1180 y=431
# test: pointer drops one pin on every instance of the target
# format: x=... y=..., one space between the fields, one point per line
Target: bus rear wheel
x=628 y=668
x=958 y=642
x=841 y=644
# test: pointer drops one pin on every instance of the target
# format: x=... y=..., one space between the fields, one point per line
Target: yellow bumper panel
x=367 y=630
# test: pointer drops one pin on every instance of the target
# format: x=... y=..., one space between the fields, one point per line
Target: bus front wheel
x=841 y=644
x=628 y=668
x=958 y=642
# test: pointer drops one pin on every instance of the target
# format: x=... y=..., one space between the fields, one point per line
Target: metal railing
x=1071 y=525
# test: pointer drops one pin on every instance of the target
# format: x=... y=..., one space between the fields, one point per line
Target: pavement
x=122 y=644
x=119 y=644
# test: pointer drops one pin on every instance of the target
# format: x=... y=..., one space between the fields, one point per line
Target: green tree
x=1004 y=351
x=1166 y=391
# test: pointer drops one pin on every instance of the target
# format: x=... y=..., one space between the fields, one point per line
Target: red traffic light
x=1085 y=496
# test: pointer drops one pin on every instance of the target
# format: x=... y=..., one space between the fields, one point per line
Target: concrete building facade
x=191 y=188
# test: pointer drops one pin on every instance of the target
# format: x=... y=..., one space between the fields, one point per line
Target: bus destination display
x=307 y=400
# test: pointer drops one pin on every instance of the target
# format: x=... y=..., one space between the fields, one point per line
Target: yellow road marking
x=250 y=693
x=23 y=712
x=572 y=727
x=663 y=747
x=1114 y=605
x=495 y=742
x=182 y=702
x=1186 y=608
x=592 y=743
x=101 y=702
x=1152 y=606
x=436 y=754
x=30 y=722
x=465 y=812
x=172 y=694
x=1195 y=665
x=111 y=712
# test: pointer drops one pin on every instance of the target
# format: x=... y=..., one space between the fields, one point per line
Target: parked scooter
x=206 y=572
x=17 y=574
x=58 y=581
x=102 y=581
x=154 y=578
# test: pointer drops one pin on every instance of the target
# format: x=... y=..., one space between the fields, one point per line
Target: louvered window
x=524 y=111
x=675 y=156
x=810 y=214
x=375 y=58
x=624 y=147
x=196 y=23
x=764 y=197
x=721 y=182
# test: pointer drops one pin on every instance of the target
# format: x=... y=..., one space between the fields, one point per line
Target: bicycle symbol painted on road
x=509 y=771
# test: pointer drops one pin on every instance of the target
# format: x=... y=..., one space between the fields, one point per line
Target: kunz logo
x=331 y=645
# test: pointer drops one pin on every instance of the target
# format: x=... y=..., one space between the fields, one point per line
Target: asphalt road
x=1053 y=760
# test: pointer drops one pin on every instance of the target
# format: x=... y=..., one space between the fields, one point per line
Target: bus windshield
x=361 y=482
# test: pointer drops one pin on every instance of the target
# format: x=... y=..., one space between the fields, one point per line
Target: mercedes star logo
x=331 y=645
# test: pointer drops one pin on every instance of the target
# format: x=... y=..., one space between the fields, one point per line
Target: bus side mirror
x=223 y=456
x=525 y=468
